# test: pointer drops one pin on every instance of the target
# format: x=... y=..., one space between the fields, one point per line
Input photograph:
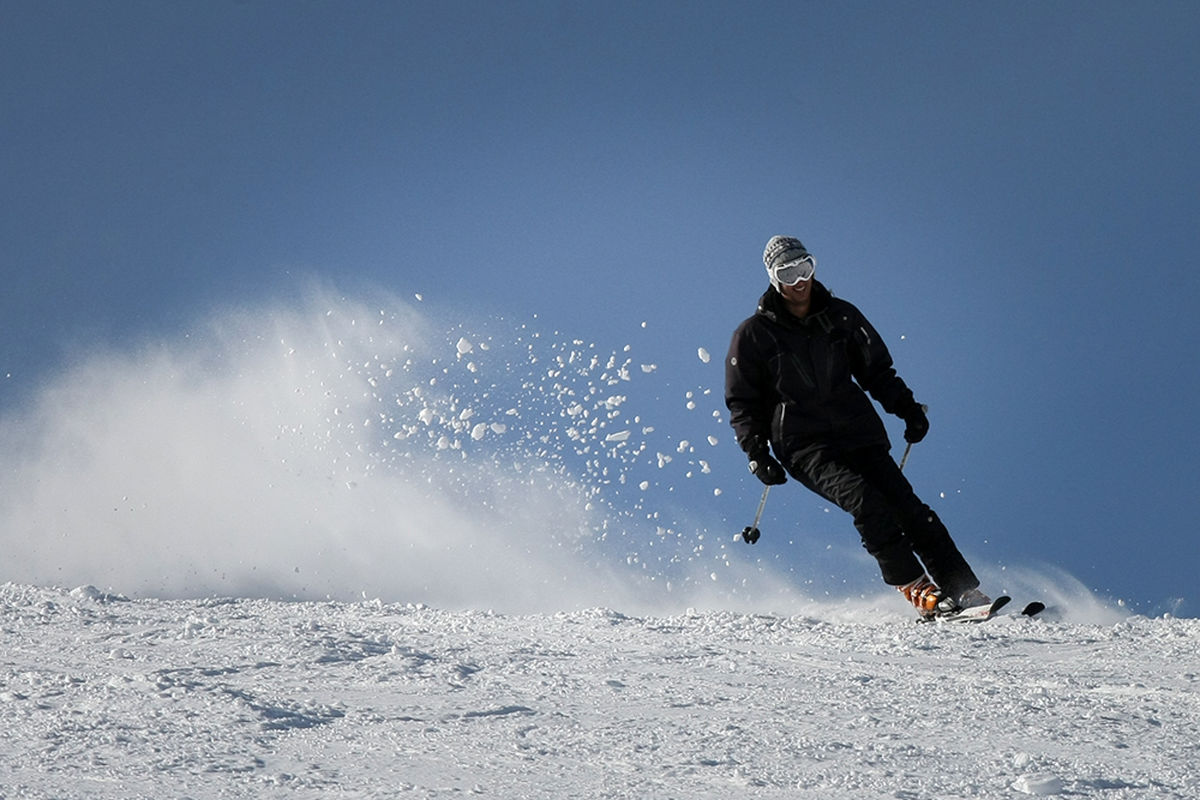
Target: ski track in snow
x=105 y=697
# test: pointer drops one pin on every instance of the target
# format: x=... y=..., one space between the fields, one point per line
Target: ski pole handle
x=904 y=457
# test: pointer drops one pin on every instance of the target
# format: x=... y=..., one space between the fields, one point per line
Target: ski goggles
x=793 y=272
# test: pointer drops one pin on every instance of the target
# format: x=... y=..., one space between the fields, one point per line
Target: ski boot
x=925 y=596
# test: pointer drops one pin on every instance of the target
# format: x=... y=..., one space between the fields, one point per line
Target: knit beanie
x=782 y=250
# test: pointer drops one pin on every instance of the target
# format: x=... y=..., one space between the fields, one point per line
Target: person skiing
x=799 y=379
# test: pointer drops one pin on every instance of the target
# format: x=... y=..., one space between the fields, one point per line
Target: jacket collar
x=771 y=306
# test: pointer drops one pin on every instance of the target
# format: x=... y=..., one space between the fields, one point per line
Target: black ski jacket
x=803 y=382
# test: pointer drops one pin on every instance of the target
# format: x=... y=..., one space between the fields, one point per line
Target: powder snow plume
x=345 y=448
x=335 y=448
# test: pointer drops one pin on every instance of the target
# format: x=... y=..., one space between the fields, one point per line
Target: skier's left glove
x=916 y=423
x=766 y=468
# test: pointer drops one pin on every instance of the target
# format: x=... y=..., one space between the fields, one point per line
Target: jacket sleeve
x=875 y=372
x=749 y=395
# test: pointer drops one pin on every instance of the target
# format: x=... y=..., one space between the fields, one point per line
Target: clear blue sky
x=1009 y=191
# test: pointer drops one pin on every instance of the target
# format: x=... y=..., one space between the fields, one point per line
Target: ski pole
x=751 y=533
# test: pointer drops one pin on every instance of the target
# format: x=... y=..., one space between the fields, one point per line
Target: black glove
x=916 y=424
x=766 y=468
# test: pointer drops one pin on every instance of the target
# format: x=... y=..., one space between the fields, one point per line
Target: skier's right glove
x=766 y=468
x=916 y=423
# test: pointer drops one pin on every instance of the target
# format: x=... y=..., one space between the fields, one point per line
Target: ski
x=971 y=614
x=977 y=613
x=985 y=612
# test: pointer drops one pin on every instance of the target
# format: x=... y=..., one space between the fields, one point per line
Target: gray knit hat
x=782 y=250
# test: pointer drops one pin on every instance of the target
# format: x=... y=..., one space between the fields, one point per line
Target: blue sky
x=1007 y=190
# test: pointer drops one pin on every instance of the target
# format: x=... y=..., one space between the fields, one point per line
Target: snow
x=557 y=616
x=105 y=697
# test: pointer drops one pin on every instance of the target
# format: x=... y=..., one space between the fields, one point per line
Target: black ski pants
x=903 y=534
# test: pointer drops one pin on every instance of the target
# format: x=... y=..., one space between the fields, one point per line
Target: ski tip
x=1033 y=609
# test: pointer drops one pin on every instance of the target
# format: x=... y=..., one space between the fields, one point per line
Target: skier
x=797 y=379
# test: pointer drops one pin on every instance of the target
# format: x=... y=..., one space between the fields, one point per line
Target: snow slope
x=104 y=697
